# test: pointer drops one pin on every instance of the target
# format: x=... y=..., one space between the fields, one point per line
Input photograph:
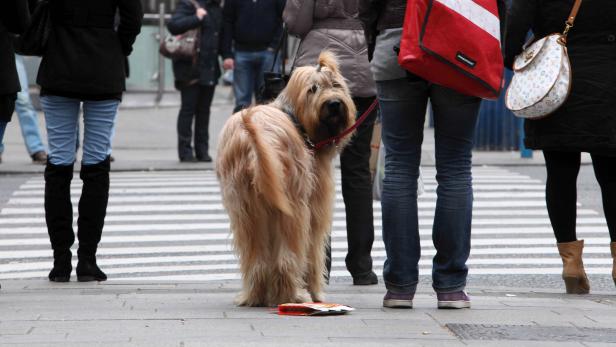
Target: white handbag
x=542 y=75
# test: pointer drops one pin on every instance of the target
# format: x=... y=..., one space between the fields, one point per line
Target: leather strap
x=574 y=12
x=569 y=23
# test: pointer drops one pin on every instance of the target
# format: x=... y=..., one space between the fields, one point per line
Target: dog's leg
x=322 y=210
x=290 y=253
x=249 y=223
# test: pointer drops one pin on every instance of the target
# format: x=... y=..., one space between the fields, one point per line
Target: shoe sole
x=393 y=303
x=60 y=279
x=90 y=279
x=454 y=304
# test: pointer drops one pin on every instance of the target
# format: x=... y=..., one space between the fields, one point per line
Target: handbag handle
x=569 y=23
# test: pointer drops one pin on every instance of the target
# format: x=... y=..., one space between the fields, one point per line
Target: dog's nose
x=334 y=107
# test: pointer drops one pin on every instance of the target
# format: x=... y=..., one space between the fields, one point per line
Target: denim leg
x=188 y=109
x=403 y=108
x=266 y=59
x=98 y=129
x=455 y=118
x=61 y=117
x=244 y=75
x=2 y=128
x=28 y=118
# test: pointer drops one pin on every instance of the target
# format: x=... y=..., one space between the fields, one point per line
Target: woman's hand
x=201 y=12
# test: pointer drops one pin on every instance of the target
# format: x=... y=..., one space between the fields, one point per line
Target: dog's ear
x=328 y=60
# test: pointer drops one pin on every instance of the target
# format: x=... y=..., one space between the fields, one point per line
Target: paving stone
x=532 y=333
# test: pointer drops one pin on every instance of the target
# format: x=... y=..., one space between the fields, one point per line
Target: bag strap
x=570 y=21
x=281 y=43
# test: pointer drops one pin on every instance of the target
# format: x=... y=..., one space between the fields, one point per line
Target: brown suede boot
x=574 y=275
x=613 y=249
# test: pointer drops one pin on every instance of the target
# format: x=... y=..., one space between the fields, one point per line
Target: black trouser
x=357 y=193
x=196 y=102
x=561 y=191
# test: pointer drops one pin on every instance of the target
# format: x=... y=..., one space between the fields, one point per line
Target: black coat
x=14 y=18
x=206 y=70
x=587 y=120
x=85 y=55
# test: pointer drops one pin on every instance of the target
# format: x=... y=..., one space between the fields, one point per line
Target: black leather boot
x=92 y=211
x=59 y=218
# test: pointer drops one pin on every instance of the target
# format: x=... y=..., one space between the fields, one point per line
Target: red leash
x=360 y=120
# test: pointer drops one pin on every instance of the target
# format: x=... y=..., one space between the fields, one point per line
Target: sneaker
x=453 y=300
x=39 y=157
x=393 y=300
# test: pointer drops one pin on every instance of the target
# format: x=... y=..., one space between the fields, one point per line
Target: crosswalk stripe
x=172 y=226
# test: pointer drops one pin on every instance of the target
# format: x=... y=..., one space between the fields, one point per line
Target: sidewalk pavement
x=146 y=138
x=40 y=313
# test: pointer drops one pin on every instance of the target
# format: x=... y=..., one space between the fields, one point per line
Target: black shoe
x=188 y=160
x=206 y=158
x=62 y=267
x=88 y=271
x=366 y=279
x=60 y=274
x=39 y=157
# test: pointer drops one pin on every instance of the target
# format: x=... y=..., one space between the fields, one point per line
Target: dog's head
x=320 y=99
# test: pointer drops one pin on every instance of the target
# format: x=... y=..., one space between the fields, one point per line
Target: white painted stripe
x=339 y=249
x=191 y=188
x=478 y=15
x=115 y=199
x=114 y=191
x=585 y=225
x=201 y=249
x=477 y=215
x=218 y=207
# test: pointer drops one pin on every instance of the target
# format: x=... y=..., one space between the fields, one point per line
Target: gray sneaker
x=453 y=300
x=393 y=300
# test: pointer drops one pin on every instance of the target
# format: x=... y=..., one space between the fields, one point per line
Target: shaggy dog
x=278 y=190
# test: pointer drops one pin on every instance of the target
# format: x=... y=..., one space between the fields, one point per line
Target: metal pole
x=161 y=60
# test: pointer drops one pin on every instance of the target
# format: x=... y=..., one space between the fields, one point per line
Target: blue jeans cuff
x=401 y=288
x=457 y=288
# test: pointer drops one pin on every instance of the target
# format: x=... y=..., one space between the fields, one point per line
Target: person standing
x=586 y=122
x=252 y=32
x=196 y=80
x=83 y=66
x=403 y=98
x=28 y=118
x=333 y=25
x=14 y=19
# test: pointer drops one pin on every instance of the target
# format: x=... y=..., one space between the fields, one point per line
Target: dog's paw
x=317 y=297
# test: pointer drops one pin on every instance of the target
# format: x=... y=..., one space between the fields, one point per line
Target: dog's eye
x=336 y=85
x=313 y=89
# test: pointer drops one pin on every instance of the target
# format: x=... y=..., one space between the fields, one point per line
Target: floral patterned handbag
x=542 y=75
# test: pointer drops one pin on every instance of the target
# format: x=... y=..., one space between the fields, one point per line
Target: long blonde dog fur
x=278 y=192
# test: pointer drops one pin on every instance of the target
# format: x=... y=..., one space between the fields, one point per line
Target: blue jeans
x=61 y=116
x=28 y=118
x=248 y=75
x=2 y=128
x=403 y=107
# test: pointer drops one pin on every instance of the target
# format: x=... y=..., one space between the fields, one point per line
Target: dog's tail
x=269 y=174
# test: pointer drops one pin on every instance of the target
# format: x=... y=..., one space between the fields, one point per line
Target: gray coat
x=332 y=25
